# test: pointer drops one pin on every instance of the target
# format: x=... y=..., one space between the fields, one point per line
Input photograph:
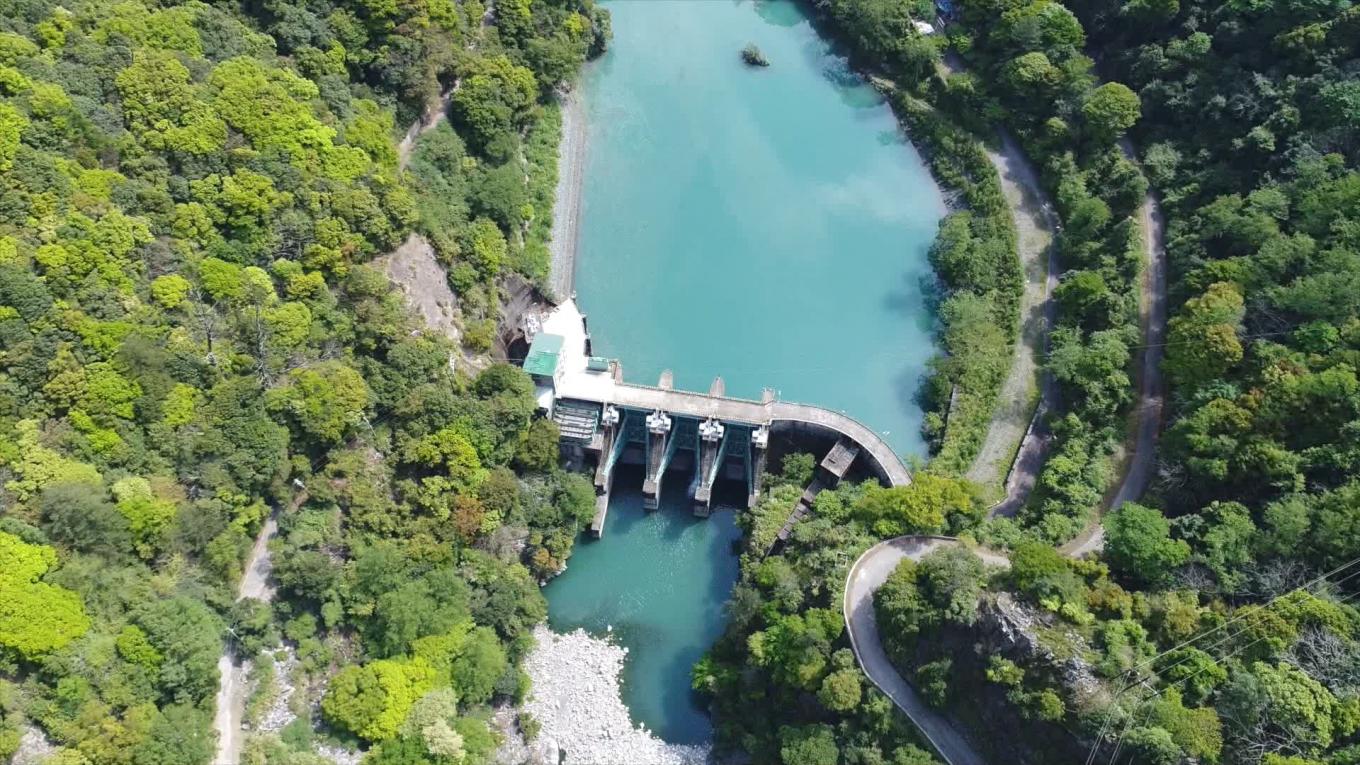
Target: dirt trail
x=231 y=691
x=1147 y=415
x=1016 y=433
x=1010 y=450
x=427 y=122
x=233 y=671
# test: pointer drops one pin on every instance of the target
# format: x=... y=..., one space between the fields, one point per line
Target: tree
x=1279 y=708
x=1110 y=110
x=1138 y=545
x=487 y=249
x=35 y=617
x=951 y=579
x=898 y=603
x=325 y=400
x=170 y=291
x=372 y=700
x=808 y=745
x=478 y=666
x=147 y=515
x=404 y=612
x=911 y=755
x=1198 y=732
x=1336 y=533
x=1084 y=295
x=1226 y=544
x=932 y=679
x=1202 y=340
x=179 y=735
x=920 y=507
x=493 y=99
x=12 y=125
x=500 y=195
x=537 y=450
x=1042 y=572
x=431 y=721
x=840 y=691
x=1152 y=745
x=188 y=636
x=79 y=516
x=1031 y=76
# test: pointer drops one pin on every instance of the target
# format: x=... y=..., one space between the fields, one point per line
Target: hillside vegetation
x=190 y=335
x=1218 y=624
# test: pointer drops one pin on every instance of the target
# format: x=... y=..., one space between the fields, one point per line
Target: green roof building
x=545 y=353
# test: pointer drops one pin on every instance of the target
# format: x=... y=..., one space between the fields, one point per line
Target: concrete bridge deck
x=746 y=411
x=574 y=379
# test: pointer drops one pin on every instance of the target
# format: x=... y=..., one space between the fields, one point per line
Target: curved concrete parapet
x=888 y=461
x=727 y=409
x=865 y=577
x=574 y=379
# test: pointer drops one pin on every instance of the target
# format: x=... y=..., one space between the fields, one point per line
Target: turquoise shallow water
x=766 y=225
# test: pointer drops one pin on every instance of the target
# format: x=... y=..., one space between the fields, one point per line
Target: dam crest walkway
x=575 y=379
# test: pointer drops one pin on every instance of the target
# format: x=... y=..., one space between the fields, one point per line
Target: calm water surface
x=766 y=225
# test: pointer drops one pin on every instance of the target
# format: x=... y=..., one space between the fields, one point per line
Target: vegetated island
x=753 y=56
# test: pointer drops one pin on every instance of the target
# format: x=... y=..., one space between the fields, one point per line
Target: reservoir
x=768 y=225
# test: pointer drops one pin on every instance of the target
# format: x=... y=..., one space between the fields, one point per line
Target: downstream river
x=766 y=225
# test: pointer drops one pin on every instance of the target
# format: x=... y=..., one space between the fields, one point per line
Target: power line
x=1158 y=692
x=1257 y=614
x=1134 y=671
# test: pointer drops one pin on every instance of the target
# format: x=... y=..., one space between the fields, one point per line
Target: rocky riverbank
x=576 y=701
x=571 y=170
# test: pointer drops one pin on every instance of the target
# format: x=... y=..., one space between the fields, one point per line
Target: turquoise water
x=766 y=225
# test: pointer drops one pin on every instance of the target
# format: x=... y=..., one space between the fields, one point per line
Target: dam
x=770 y=226
x=599 y=416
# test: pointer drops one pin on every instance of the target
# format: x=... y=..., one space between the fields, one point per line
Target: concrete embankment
x=571 y=160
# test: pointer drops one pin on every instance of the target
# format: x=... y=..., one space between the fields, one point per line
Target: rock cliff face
x=982 y=709
x=1011 y=629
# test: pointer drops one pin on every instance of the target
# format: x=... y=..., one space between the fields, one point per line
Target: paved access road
x=866 y=576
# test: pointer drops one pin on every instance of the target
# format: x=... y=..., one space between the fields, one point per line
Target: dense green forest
x=784 y=684
x=1218 y=625
x=193 y=335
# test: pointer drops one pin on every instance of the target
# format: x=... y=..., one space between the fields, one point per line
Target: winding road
x=865 y=577
x=873 y=567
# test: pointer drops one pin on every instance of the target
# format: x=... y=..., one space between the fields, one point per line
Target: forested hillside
x=191 y=338
x=1218 y=625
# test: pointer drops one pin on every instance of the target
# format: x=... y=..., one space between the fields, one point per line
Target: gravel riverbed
x=576 y=700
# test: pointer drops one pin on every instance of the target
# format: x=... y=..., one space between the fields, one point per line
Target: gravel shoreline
x=571 y=160
x=576 y=701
